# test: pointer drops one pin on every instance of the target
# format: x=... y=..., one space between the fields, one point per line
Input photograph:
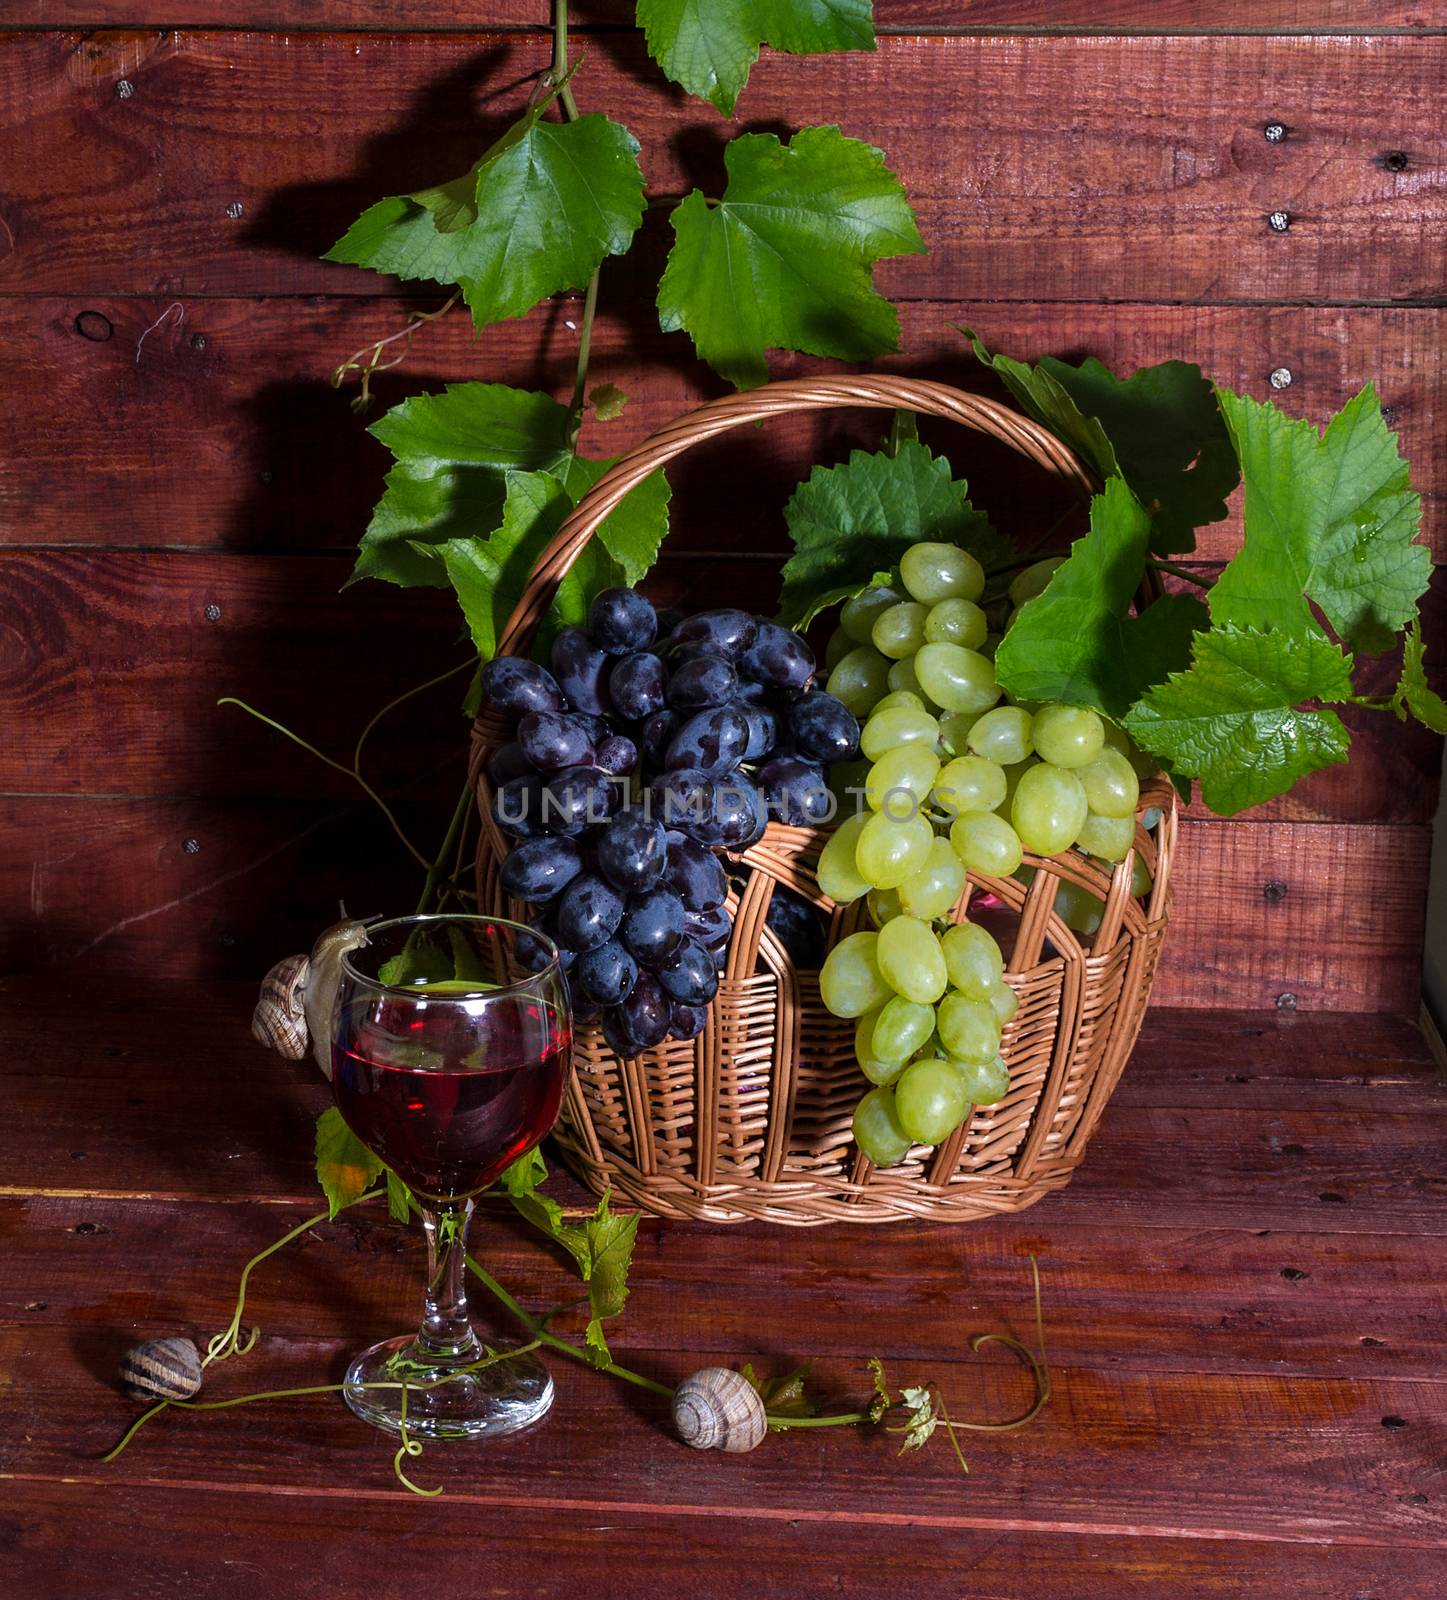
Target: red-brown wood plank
x=1168 y=202
x=148 y=1539
x=220 y=430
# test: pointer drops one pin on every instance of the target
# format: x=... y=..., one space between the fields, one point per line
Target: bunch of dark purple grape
x=634 y=761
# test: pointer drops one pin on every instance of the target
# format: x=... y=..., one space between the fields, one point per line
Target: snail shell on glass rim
x=279 y=1020
x=719 y=1409
x=323 y=979
x=161 y=1369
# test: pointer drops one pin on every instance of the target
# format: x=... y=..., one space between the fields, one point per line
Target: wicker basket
x=751 y=1121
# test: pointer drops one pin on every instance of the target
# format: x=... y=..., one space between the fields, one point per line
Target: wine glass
x=450 y=1049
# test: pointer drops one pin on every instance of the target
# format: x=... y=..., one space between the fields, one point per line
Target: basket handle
x=757 y=405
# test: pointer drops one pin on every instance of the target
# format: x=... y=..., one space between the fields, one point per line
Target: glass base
x=504 y=1398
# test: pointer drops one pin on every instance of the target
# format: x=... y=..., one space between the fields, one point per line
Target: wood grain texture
x=220 y=429
x=1169 y=203
x=145 y=1540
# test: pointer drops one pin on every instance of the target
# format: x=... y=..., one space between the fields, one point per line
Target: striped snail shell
x=719 y=1409
x=161 y=1369
x=323 y=979
x=279 y=1020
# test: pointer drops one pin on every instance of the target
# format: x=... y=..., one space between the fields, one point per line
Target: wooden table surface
x=1244 y=1305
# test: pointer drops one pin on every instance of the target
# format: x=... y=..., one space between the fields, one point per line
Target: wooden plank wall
x=179 y=485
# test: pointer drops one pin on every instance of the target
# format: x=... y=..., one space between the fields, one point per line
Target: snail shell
x=279 y=1020
x=719 y=1409
x=162 y=1369
x=324 y=977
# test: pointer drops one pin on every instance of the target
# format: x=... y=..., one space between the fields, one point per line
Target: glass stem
x=446 y=1333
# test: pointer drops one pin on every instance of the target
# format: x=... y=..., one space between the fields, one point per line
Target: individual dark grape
x=735 y=813
x=637 y=685
x=763 y=730
x=632 y=851
x=552 y=740
x=621 y=620
x=652 y=927
x=616 y=754
x=517 y=686
x=578 y=797
x=682 y=799
x=694 y=874
x=798 y=926
x=540 y=869
x=657 y=734
x=722 y=633
x=713 y=741
x=751 y=693
x=581 y=669
x=687 y=1022
x=507 y=761
x=588 y=914
x=517 y=807
x=779 y=657
x=709 y=928
x=702 y=681
x=645 y=1015
x=606 y=975
x=688 y=975
x=536 y=950
x=824 y=728
x=599 y=728
x=795 y=791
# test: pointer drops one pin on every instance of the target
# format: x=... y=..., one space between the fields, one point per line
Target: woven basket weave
x=751 y=1120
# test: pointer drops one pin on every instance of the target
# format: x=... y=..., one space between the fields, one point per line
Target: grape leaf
x=850 y=522
x=786 y=258
x=537 y=214
x=1330 y=518
x=399 y=1198
x=1413 y=693
x=1076 y=642
x=708 y=46
x=1161 y=429
x=1234 y=718
x=345 y=1166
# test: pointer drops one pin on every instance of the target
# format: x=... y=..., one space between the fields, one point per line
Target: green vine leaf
x=1077 y=642
x=1330 y=519
x=345 y=1167
x=708 y=46
x=1413 y=693
x=786 y=258
x=852 y=522
x=537 y=214
x=1235 y=719
x=399 y=1198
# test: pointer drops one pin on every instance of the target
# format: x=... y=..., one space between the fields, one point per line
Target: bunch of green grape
x=952 y=781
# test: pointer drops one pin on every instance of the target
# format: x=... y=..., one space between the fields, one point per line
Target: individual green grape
x=985 y=1085
x=968 y=783
x=955 y=729
x=911 y=961
x=1106 y=837
x=900 y=781
x=930 y=1100
x=882 y=1073
x=902 y=679
x=1013 y=776
x=1048 y=809
x=899 y=631
x=857 y=617
x=1003 y=736
x=1076 y=907
x=934 y=572
x=967 y=1028
x=1110 y=783
x=864 y=1031
x=1004 y=1002
x=1142 y=764
x=877 y=1129
x=901 y=1027
x=986 y=843
x=901 y=699
x=1141 y=882
x=973 y=960
x=860 y=679
x=956 y=679
x=883 y=906
x=956 y=621
x=1068 y=736
x=897 y=725
x=891 y=849
x=1024 y=586
x=839 y=646
x=935 y=888
x=838 y=877
x=850 y=982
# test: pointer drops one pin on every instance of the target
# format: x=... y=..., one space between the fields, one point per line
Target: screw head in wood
x=1280 y=378
x=213 y=612
x=1275 y=132
x=1286 y=1002
x=124 y=89
x=1279 y=221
